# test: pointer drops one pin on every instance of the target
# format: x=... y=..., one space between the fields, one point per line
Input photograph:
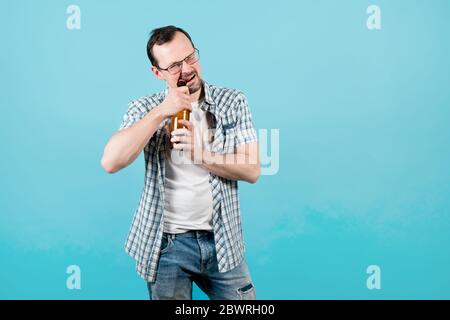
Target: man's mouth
x=190 y=78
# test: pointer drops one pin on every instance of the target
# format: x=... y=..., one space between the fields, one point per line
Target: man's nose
x=186 y=68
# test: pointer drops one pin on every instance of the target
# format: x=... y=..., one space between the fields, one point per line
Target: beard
x=195 y=85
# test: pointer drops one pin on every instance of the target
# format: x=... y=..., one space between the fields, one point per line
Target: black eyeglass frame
x=180 y=63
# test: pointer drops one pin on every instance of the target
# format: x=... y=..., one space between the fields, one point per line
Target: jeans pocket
x=166 y=244
x=247 y=292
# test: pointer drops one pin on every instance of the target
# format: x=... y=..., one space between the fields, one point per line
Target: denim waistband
x=190 y=234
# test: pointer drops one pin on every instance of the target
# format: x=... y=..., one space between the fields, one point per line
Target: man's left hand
x=184 y=139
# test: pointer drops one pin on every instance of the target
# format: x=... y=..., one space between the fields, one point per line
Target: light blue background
x=364 y=129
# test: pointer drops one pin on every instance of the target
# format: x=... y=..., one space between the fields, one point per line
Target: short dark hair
x=160 y=36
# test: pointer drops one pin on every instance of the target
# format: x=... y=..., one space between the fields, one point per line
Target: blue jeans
x=191 y=256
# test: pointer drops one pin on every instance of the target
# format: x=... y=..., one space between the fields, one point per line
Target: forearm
x=235 y=166
x=125 y=146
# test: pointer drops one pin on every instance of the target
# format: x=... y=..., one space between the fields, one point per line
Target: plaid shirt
x=233 y=126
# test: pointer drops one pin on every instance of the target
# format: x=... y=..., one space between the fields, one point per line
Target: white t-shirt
x=188 y=196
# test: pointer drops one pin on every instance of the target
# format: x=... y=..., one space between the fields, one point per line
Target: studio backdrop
x=351 y=102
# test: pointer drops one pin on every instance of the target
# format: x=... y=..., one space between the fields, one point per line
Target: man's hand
x=185 y=139
x=177 y=100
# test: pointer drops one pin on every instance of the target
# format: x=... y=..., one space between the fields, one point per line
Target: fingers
x=182 y=142
x=182 y=146
x=181 y=97
x=183 y=90
x=185 y=100
x=183 y=139
x=182 y=132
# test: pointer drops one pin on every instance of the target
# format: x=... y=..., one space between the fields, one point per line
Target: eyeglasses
x=176 y=67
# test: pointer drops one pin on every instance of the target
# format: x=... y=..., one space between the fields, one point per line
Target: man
x=187 y=226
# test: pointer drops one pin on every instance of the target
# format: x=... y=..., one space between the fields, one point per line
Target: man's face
x=174 y=51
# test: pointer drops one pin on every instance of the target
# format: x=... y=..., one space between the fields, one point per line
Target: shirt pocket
x=229 y=126
x=229 y=141
x=224 y=138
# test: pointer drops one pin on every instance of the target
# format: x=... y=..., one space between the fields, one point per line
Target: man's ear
x=157 y=73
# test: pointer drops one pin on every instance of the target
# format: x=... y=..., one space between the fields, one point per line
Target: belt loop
x=170 y=236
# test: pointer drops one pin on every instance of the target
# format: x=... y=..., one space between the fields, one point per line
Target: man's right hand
x=177 y=100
